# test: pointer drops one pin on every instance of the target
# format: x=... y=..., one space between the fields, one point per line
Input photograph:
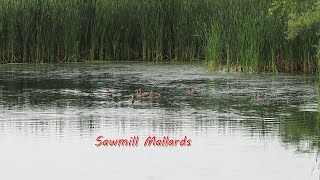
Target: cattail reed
x=225 y=33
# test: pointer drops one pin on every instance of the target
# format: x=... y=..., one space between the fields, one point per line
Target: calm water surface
x=50 y=116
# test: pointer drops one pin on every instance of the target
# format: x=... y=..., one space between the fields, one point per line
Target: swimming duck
x=191 y=91
x=109 y=94
x=131 y=100
x=153 y=94
x=139 y=94
x=259 y=97
x=144 y=94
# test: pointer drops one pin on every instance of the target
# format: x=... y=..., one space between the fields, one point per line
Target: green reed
x=227 y=34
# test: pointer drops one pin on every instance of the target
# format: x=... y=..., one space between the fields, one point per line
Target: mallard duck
x=153 y=94
x=131 y=100
x=109 y=94
x=259 y=97
x=191 y=92
x=144 y=94
x=139 y=94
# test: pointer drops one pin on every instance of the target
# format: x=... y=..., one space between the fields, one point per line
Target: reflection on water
x=233 y=134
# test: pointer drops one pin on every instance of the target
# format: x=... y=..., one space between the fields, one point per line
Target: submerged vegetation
x=247 y=35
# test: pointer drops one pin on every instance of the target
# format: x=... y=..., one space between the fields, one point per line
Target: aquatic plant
x=240 y=34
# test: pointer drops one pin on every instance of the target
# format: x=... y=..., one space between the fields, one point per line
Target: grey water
x=51 y=115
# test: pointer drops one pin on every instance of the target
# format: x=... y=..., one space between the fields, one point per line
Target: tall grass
x=226 y=33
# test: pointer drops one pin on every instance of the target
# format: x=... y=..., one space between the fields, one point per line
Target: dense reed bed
x=229 y=34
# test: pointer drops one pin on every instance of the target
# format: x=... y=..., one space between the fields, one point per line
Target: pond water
x=51 y=116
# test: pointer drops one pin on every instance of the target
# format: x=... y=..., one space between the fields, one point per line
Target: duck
x=153 y=94
x=191 y=91
x=144 y=94
x=109 y=94
x=131 y=100
x=259 y=97
x=139 y=94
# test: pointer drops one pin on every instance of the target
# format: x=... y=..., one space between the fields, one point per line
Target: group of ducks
x=142 y=95
x=139 y=94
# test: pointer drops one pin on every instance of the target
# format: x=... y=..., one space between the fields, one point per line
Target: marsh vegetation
x=246 y=35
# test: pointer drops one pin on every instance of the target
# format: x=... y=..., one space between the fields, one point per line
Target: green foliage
x=249 y=35
x=254 y=39
x=300 y=23
x=76 y=30
x=306 y=21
